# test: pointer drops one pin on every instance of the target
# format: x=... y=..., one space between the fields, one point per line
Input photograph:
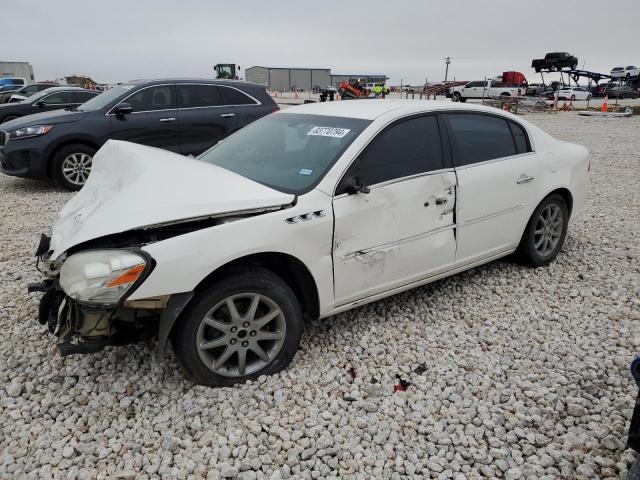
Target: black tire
x=58 y=160
x=254 y=281
x=505 y=94
x=526 y=251
x=456 y=97
x=634 y=470
x=9 y=118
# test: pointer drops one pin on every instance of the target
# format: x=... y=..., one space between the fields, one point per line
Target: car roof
x=370 y=109
x=59 y=89
x=143 y=81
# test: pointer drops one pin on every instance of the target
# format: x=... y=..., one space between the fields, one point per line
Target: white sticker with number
x=329 y=132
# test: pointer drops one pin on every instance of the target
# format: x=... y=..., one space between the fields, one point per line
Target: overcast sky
x=116 y=40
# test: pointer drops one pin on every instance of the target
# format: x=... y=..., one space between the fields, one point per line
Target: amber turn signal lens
x=127 y=277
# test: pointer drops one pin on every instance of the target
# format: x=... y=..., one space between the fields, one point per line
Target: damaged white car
x=303 y=214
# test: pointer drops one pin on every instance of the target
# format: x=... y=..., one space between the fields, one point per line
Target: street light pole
x=447 y=61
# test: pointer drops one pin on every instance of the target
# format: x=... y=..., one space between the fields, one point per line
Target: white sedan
x=308 y=212
x=573 y=93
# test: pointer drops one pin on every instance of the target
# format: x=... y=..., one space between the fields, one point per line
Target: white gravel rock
x=523 y=372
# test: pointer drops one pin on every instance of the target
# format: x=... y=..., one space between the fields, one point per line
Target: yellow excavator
x=227 y=71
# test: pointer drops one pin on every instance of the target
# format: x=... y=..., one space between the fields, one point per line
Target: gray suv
x=184 y=116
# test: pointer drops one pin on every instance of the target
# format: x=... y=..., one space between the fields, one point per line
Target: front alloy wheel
x=245 y=325
x=76 y=168
x=241 y=335
x=71 y=166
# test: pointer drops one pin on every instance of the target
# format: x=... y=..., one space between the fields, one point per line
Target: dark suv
x=184 y=116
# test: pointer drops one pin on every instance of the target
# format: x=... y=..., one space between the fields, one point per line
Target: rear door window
x=81 y=97
x=149 y=99
x=478 y=137
x=233 y=96
x=193 y=96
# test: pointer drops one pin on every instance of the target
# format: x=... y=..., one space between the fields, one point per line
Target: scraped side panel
x=397 y=233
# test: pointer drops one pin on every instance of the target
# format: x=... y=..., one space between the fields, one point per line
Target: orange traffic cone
x=605 y=104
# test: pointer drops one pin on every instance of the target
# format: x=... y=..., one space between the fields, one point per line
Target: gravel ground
x=515 y=373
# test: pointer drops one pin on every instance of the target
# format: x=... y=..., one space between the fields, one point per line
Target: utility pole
x=447 y=61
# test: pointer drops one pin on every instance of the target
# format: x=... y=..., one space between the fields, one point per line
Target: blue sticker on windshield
x=305 y=171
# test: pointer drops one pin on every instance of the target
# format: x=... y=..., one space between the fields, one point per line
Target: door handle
x=227 y=115
x=524 y=179
x=170 y=119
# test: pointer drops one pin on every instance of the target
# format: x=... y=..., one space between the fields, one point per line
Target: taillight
x=275 y=109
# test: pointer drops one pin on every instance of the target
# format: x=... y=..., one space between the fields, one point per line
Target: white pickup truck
x=480 y=88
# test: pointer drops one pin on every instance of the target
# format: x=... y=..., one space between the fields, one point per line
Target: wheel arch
x=291 y=269
x=65 y=143
x=565 y=193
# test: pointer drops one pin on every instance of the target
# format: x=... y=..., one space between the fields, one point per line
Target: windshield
x=286 y=151
x=105 y=98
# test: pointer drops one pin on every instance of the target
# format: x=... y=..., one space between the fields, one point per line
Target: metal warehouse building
x=286 y=79
x=17 y=70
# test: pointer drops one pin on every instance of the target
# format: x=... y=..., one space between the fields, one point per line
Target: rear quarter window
x=520 y=137
x=232 y=96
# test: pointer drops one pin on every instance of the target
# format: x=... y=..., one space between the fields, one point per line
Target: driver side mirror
x=123 y=109
x=356 y=185
x=39 y=104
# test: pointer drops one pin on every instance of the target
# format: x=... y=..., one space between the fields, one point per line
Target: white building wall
x=18 y=70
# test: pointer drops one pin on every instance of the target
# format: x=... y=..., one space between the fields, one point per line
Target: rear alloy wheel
x=545 y=232
x=573 y=98
x=248 y=325
x=71 y=166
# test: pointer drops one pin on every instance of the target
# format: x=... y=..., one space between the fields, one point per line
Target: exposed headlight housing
x=31 y=131
x=101 y=276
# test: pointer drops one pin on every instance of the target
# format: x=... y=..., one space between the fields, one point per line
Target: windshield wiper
x=71 y=109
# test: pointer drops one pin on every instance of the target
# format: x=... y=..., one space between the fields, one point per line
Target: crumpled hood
x=43 y=118
x=133 y=186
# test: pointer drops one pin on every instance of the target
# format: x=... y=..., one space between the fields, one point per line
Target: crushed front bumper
x=88 y=328
x=81 y=328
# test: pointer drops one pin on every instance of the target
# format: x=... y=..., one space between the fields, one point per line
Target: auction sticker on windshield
x=334 y=132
